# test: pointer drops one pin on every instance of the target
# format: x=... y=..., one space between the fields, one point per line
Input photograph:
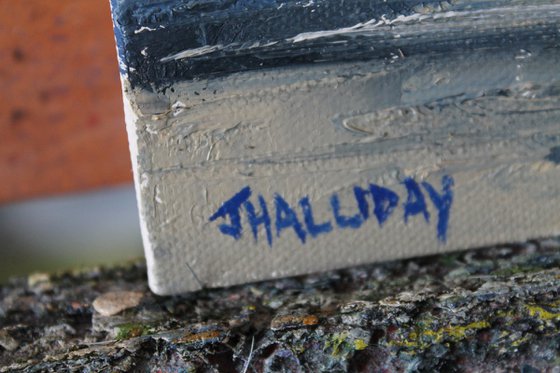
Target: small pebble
x=7 y=341
x=113 y=302
x=39 y=282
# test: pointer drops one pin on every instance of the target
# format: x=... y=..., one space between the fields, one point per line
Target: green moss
x=131 y=330
x=449 y=260
x=507 y=272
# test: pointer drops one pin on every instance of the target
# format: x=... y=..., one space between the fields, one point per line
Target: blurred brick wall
x=61 y=116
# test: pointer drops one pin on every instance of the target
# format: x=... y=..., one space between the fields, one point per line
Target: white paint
x=141 y=180
x=196 y=52
x=178 y=107
x=193 y=52
x=396 y=28
x=371 y=24
x=144 y=28
x=418 y=18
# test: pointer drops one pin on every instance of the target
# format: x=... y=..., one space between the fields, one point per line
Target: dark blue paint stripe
x=238 y=24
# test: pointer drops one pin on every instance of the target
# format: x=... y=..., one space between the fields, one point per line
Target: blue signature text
x=373 y=201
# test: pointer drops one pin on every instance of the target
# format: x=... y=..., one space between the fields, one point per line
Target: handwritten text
x=373 y=201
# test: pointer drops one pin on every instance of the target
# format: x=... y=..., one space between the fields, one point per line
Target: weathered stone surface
x=493 y=309
x=7 y=342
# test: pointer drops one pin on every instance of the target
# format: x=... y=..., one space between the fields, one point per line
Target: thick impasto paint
x=274 y=138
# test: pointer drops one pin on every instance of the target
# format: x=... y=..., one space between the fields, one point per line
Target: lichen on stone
x=492 y=309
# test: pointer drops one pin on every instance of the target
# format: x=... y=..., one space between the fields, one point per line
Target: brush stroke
x=184 y=40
